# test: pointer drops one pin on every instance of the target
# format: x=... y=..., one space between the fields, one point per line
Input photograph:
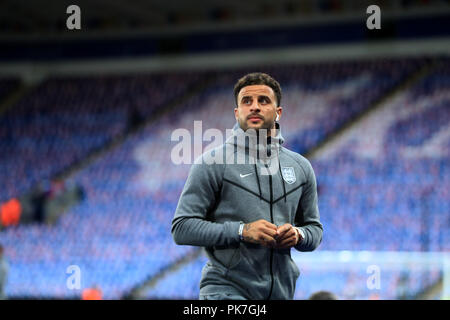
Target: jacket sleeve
x=190 y=225
x=308 y=217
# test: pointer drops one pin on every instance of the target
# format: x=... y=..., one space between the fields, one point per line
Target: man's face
x=257 y=108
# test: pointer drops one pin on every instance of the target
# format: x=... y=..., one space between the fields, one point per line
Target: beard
x=266 y=124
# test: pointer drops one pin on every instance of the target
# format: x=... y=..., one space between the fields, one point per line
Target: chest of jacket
x=249 y=193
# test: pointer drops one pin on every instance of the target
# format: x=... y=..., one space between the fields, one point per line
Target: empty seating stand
x=120 y=235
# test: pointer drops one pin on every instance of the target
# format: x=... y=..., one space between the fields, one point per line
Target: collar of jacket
x=256 y=143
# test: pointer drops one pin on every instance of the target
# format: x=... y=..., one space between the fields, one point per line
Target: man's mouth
x=254 y=118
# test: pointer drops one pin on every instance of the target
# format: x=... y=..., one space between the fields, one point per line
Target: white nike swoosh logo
x=245 y=175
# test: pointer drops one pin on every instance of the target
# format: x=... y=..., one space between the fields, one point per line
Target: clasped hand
x=269 y=235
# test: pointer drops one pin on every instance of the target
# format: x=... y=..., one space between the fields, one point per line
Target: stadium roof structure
x=47 y=17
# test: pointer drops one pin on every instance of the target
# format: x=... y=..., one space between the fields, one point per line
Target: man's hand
x=260 y=232
x=287 y=236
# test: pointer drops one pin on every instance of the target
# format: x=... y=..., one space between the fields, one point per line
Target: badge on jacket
x=288 y=174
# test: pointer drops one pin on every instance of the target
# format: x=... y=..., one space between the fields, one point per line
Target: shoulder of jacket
x=211 y=156
x=210 y=163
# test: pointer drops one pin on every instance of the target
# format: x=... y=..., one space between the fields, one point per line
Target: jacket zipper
x=271 y=250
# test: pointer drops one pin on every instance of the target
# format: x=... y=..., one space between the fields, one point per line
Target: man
x=248 y=214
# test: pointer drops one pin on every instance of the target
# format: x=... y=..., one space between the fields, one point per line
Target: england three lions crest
x=288 y=174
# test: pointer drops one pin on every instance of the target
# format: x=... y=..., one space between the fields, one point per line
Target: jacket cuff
x=232 y=230
x=302 y=235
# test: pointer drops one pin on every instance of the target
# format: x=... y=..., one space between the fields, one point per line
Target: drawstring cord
x=282 y=179
x=257 y=179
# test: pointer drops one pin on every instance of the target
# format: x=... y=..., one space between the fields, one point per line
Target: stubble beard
x=267 y=126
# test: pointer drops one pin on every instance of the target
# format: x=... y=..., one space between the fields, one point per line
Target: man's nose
x=255 y=107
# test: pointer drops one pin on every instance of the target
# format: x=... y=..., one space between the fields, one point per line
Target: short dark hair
x=256 y=78
x=323 y=295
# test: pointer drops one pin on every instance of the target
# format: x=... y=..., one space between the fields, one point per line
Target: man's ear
x=279 y=112
x=236 y=114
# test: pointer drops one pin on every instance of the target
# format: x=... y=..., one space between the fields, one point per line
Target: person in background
x=94 y=293
x=323 y=295
x=3 y=273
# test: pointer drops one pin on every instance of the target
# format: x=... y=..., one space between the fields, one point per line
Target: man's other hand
x=287 y=236
x=261 y=232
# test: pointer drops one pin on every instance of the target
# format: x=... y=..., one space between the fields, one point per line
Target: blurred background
x=88 y=190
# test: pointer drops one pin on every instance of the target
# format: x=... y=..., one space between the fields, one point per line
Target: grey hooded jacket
x=240 y=182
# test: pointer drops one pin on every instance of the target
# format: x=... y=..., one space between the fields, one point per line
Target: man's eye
x=264 y=100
